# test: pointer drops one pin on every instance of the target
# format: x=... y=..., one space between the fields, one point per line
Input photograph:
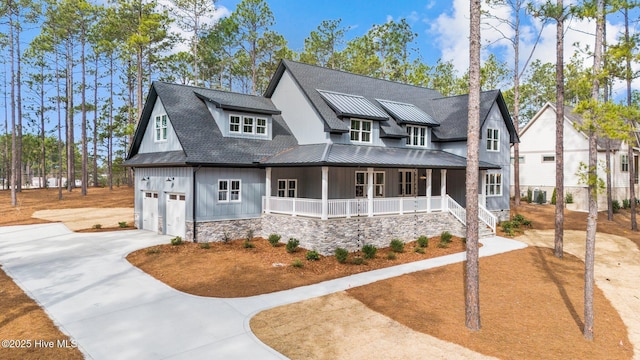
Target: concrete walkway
x=115 y=311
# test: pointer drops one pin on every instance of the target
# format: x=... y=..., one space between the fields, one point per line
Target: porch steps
x=484 y=231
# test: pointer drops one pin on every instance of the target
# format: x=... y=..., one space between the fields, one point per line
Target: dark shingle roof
x=452 y=112
x=310 y=78
x=198 y=132
x=359 y=155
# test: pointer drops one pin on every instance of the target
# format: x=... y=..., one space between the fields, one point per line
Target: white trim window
x=361 y=130
x=249 y=125
x=406 y=184
x=287 y=188
x=160 y=126
x=493 y=139
x=493 y=184
x=234 y=123
x=417 y=135
x=229 y=190
x=362 y=180
x=624 y=163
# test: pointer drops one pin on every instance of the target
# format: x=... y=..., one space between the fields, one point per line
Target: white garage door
x=176 y=214
x=150 y=211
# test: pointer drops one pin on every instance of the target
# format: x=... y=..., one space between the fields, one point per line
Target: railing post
x=443 y=189
x=401 y=207
x=348 y=208
x=267 y=191
x=429 y=190
x=325 y=193
x=293 y=204
x=370 y=191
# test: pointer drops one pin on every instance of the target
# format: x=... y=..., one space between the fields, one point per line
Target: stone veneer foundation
x=325 y=236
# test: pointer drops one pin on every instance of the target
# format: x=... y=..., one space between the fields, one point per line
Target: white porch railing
x=350 y=207
x=484 y=215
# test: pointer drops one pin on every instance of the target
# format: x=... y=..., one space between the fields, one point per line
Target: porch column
x=370 y=191
x=429 y=174
x=267 y=192
x=483 y=187
x=325 y=192
x=443 y=189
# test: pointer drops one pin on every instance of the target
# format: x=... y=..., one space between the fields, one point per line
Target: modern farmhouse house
x=538 y=160
x=328 y=157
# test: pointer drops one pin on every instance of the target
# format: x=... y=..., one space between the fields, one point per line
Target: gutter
x=193 y=204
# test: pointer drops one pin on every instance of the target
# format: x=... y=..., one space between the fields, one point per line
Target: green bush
x=292 y=245
x=419 y=250
x=153 y=251
x=312 y=255
x=423 y=241
x=540 y=198
x=369 y=251
x=615 y=205
x=397 y=245
x=568 y=198
x=248 y=244
x=176 y=241
x=391 y=255
x=443 y=244
x=205 y=245
x=445 y=236
x=626 y=203
x=297 y=263
x=97 y=226
x=274 y=239
x=249 y=236
x=529 y=196
x=554 y=195
x=226 y=237
x=519 y=218
x=123 y=224
x=357 y=260
x=341 y=255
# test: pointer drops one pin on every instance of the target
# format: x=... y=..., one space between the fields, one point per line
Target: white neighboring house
x=537 y=159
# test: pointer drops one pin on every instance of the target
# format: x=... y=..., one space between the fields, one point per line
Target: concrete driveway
x=115 y=311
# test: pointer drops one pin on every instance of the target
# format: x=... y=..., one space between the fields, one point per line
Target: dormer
x=416 y=122
x=240 y=115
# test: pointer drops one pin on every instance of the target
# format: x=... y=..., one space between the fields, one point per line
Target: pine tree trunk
x=95 y=125
x=83 y=109
x=607 y=161
x=472 y=277
x=558 y=245
x=14 y=147
x=71 y=157
x=19 y=175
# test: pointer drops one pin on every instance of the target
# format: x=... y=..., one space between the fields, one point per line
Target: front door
x=407 y=183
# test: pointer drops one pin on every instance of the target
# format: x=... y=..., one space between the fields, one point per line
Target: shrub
x=626 y=203
x=341 y=255
x=369 y=251
x=419 y=250
x=397 y=245
x=153 y=251
x=292 y=245
x=274 y=239
x=540 y=198
x=123 y=224
x=445 y=236
x=248 y=244
x=176 y=241
x=554 y=195
x=423 y=241
x=357 y=260
x=391 y=255
x=205 y=245
x=519 y=218
x=443 y=244
x=615 y=205
x=297 y=263
x=529 y=196
x=249 y=236
x=97 y=226
x=312 y=255
x=226 y=237
x=568 y=198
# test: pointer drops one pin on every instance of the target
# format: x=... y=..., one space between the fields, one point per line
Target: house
x=537 y=159
x=328 y=157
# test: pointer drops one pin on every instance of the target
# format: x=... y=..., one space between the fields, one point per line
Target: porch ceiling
x=377 y=156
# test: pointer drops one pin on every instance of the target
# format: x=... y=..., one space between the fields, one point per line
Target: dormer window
x=160 y=126
x=493 y=139
x=361 y=131
x=249 y=125
x=417 y=135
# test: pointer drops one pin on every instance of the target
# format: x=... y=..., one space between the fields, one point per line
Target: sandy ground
x=86 y=218
x=617 y=272
x=364 y=332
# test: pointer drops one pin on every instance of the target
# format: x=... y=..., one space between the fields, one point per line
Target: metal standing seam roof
x=359 y=155
x=407 y=113
x=348 y=105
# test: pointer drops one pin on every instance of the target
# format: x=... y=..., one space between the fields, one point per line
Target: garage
x=176 y=206
x=150 y=211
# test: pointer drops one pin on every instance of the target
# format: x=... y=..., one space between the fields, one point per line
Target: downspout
x=193 y=204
